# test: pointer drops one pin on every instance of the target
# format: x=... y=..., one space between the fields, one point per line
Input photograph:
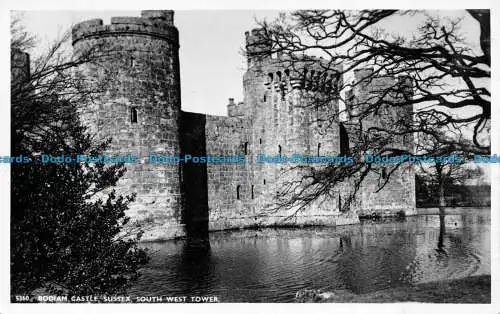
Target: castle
x=141 y=111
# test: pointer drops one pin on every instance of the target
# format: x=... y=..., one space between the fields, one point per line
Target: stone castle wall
x=285 y=104
x=398 y=193
x=137 y=77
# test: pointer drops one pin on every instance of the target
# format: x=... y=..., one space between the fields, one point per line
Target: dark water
x=271 y=265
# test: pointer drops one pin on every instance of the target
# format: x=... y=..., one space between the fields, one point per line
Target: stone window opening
x=265 y=98
x=304 y=78
x=318 y=116
x=133 y=115
x=264 y=181
x=252 y=191
x=260 y=141
x=311 y=80
x=384 y=173
x=344 y=140
x=132 y=62
x=279 y=150
x=238 y=191
x=319 y=148
x=246 y=148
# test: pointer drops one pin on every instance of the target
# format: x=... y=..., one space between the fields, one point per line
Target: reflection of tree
x=344 y=241
x=461 y=253
x=380 y=259
x=442 y=231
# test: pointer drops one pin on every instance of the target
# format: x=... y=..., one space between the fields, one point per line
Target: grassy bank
x=476 y=289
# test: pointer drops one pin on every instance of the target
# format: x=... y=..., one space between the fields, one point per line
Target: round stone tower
x=134 y=71
x=290 y=100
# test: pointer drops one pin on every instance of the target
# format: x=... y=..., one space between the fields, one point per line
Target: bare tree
x=20 y=38
x=444 y=174
x=442 y=77
x=46 y=95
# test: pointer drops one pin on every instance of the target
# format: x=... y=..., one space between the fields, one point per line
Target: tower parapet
x=258 y=46
x=158 y=24
x=234 y=109
x=166 y=16
x=369 y=88
x=315 y=77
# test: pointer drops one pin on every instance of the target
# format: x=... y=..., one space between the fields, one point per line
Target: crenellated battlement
x=151 y=23
x=312 y=74
x=311 y=79
x=256 y=42
x=286 y=72
x=235 y=109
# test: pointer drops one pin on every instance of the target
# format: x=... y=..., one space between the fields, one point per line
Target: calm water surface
x=271 y=265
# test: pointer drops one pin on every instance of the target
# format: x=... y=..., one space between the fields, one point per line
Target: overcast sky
x=211 y=63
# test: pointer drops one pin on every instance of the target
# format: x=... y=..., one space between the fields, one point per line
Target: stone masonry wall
x=398 y=194
x=278 y=94
x=138 y=107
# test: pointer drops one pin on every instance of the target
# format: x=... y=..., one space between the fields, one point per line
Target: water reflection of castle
x=271 y=265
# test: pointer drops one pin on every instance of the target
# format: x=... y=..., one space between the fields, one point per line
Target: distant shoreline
x=450 y=210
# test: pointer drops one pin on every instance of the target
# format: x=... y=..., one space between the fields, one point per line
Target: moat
x=271 y=265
